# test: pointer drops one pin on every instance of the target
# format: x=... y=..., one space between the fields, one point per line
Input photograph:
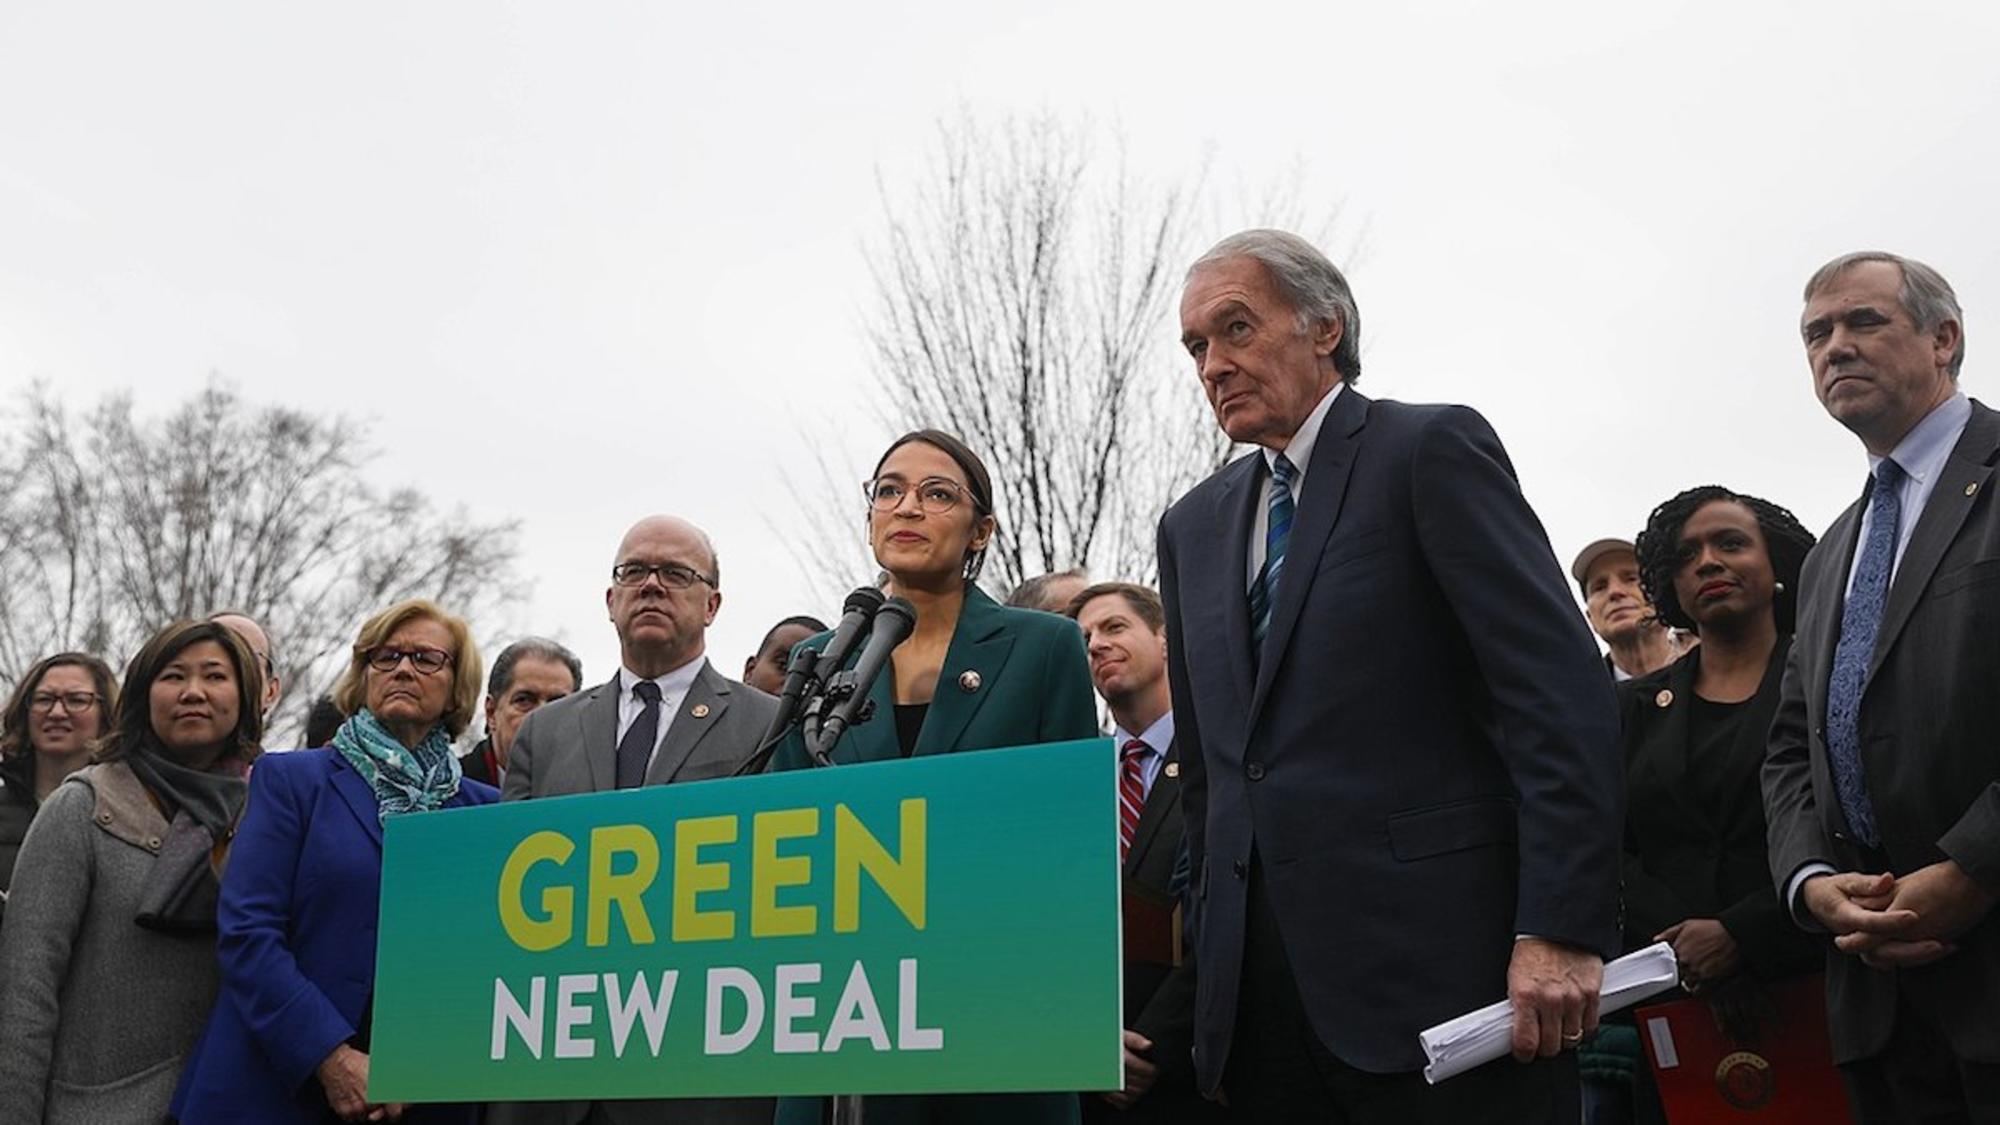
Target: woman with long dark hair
x=107 y=955
x=57 y=712
x=973 y=675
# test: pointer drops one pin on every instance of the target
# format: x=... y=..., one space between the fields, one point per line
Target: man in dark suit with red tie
x=1398 y=746
x=1124 y=631
x=1881 y=781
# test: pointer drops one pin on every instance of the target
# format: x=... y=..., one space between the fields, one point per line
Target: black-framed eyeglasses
x=673 y=576
x=75 y=702
x=427 y=661
x=935 y=495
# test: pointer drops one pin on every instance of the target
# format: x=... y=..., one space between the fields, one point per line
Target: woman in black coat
x=1727 y=566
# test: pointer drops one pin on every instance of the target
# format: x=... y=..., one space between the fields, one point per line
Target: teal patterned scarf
x=404 y=780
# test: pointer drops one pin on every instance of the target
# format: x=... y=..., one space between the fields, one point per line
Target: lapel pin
x=699 y=711
x=1173 y=769
x=1972 y=488
x=1664 y=699
x=968 y=681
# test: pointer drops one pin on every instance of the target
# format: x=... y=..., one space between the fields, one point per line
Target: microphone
x=856 y=613
x=893 y=623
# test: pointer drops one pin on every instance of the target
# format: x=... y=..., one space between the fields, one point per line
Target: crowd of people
x=1373 y=771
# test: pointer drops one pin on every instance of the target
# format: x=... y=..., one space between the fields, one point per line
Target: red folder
x=1788 y=1075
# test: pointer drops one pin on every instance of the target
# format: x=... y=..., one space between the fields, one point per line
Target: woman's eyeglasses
x=75 y=702
x=935 y=495
x=428 y=661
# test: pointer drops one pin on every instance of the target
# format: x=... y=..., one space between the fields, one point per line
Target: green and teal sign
x=941 y=924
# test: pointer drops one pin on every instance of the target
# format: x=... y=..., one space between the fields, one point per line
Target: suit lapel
x=707 y=699
x=1239 y=509
x=980 y=644
x=358 y=797
x=874 y=740
x=599 y=718
x=1965 y=472
x=1828 y=601
x=1325 y=485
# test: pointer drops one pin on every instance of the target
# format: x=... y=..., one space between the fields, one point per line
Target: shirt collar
x=1924 y=450
x=1157 y=737
x=1299 y=450
x=673 y=685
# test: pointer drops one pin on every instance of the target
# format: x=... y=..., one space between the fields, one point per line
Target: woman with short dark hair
x=973 y=675
x=289 y=1037
x=107 y=955
x=56 y=713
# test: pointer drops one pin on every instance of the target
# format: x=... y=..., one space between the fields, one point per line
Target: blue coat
x=297 y=943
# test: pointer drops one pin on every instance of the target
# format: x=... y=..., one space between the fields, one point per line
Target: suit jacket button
x=1255 y=770
x=1239 y=868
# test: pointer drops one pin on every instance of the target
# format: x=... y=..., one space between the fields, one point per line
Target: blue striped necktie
x=1277 y=533
x=1860 y=623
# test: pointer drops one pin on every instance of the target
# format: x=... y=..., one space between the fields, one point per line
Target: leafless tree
x=1024 y=297
x=112 y=524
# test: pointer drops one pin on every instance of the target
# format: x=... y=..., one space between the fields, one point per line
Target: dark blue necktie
x=635 y=750
x=1277 y=533
x=1860 y=622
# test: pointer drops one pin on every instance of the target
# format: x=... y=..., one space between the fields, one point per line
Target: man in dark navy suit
x=1398 y=747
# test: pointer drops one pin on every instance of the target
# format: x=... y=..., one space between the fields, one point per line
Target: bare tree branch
x=111 y=528
x=1024 y=299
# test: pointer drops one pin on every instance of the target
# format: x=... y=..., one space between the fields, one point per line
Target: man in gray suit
x=1881 y=784
x=666 y=716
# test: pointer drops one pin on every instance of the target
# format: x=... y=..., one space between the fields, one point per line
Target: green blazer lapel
x=980 y=644
x=874 y=740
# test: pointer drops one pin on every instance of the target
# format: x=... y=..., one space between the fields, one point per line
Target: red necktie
x=1131 y=793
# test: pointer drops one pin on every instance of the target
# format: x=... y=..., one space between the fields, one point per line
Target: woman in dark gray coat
x=107 y=953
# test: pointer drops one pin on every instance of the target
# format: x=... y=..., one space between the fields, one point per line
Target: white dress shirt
x=674 y=687
x=1157 y=738
x=1922 y=454
x=1299 y=452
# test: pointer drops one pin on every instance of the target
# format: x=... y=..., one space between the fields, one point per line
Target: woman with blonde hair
x=289 y=1037
x=107 y=955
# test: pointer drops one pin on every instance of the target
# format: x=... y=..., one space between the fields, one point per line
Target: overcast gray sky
x=584 y=261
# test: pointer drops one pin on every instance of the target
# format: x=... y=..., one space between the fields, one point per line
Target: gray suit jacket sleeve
x=52 y=885
x=1793 y=826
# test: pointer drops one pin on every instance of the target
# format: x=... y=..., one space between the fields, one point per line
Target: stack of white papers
x=1476 y=1038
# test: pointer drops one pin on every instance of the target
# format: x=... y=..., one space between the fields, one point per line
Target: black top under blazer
x=1686 y=855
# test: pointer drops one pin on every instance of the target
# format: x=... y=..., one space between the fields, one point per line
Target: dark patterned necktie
x=636 y=748
x=1277 y=534
x=1860 y=622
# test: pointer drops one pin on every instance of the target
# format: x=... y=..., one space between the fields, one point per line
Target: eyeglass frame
x=372 y=659
x=665 y=572
x=960 y=494
x=46 y=704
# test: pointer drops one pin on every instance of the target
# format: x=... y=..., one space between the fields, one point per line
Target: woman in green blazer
x=974 y=675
